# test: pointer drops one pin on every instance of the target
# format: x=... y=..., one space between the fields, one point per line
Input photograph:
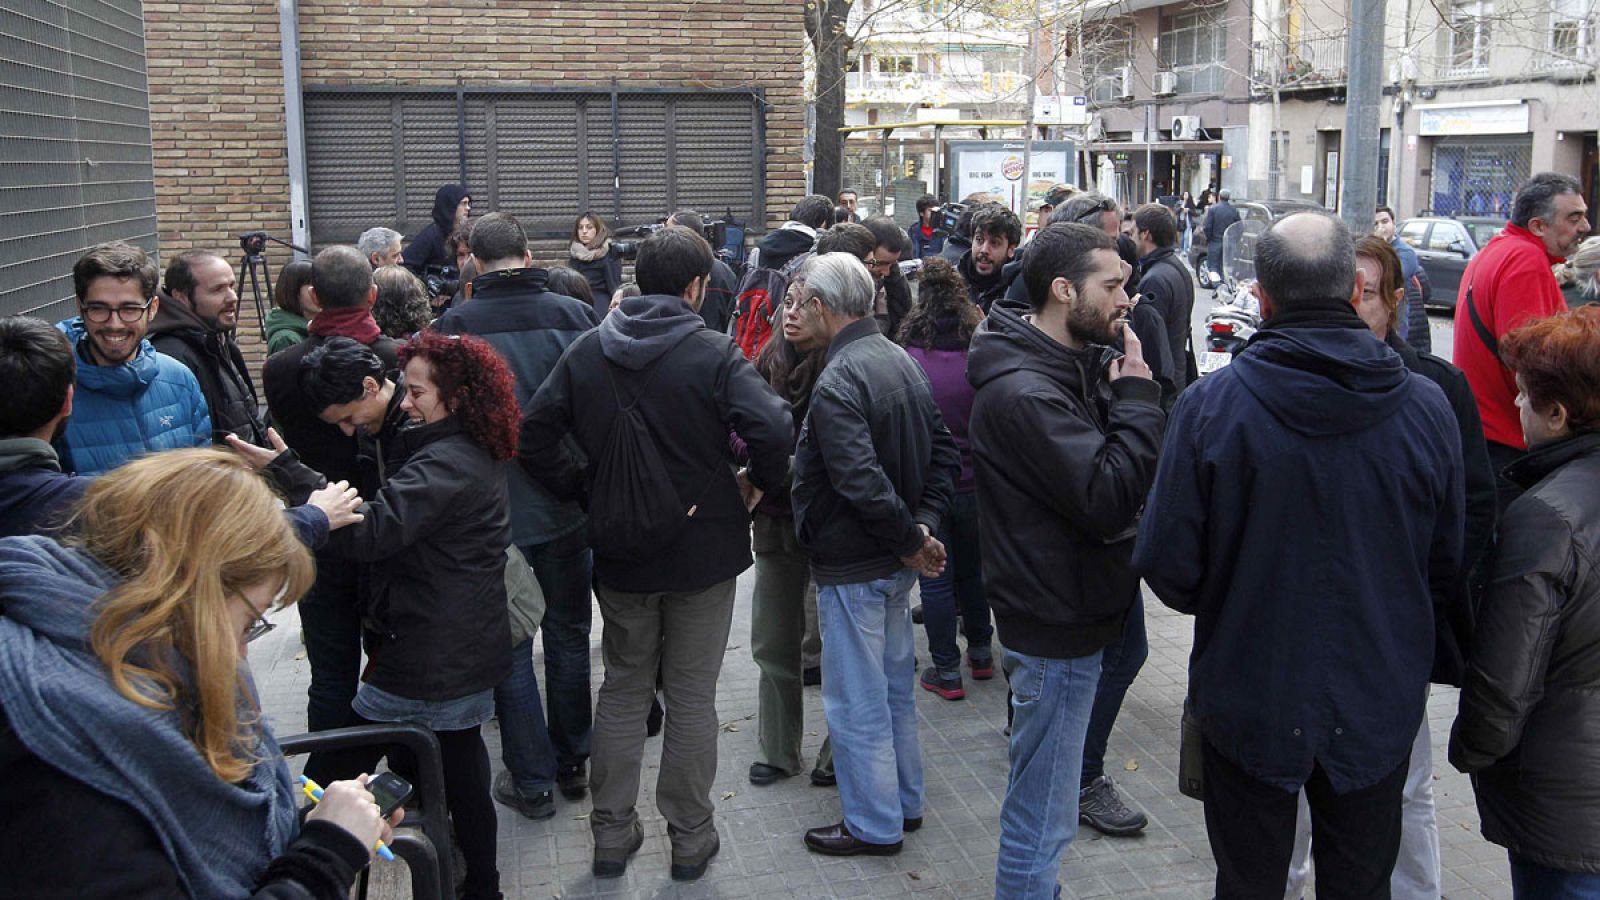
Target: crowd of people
x=460 y=451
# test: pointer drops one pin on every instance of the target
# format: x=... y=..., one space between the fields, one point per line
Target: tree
x=826 y=26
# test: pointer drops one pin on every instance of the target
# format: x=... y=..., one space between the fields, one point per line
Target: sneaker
x=612 y=862
x=1100 y=807
x=811 y=676
x=981 y=662
x=539 y=806
x=945 y=684
x=573 y=781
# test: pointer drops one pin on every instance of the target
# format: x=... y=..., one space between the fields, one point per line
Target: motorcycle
x=1237 y=314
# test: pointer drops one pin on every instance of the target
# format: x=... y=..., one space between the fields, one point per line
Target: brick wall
x=216 y=85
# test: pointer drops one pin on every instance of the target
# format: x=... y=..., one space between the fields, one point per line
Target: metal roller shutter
x=75 y=160
x=716 y=170
x=350 y=165
x=537 y=159
x=647 y=163
x=432 y=155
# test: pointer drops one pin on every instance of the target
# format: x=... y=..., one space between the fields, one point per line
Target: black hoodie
x=783 y=244
x=427 y=248
x=1063 y=459
x=214 y=358
x=704 y=389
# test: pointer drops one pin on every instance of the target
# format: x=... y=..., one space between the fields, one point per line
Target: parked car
x=1444 y=247
x=1209 y=271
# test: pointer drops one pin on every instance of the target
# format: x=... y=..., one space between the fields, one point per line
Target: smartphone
x=390 y=790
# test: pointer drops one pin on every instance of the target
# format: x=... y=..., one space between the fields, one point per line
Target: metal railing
x=1302 y=63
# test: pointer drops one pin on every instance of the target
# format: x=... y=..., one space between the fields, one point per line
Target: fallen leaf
x=300 y=655
x=729 y=795
x=914 y=876
x=1131 y=765
x=580 y=817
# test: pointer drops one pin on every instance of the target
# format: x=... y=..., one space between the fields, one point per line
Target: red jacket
x=1511 y=285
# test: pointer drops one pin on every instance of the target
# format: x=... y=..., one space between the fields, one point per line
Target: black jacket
x=1168 y=287
x=426 y=249
x=321 y=446
x=955 y=247
x=897 y=302
x=1530 y=709
x=874 y=461
x=1218 y=219
x=1308 y=511
x=705 y=389
x=214 y=358
x=530 y=328
x=604 y=276
x=1063 y=459
x=1453 y=631
x=433 y=554
x=780 y=245
x=722 y=295
x=61 y=838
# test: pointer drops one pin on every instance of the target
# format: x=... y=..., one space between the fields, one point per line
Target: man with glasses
x=884 y=265
x=129 y=399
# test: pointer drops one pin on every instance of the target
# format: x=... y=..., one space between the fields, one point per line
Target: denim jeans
x=961 y=584
x=524 y=741
x=1120 y=662
x=1532 y=881
x=563 y=567
x=868 y=674
x=330 y=620
x=1050 y=699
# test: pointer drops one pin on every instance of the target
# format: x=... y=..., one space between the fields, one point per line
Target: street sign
x=1063 y=110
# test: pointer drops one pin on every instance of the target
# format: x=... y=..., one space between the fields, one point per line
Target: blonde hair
x=185 y=532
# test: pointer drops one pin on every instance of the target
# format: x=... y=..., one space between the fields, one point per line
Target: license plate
x=1214 y=360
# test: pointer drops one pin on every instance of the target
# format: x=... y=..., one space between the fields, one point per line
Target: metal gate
x=1480 y=177
x=75 y=164
x=375 y=156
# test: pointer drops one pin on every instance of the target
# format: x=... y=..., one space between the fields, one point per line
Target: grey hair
x=376 y=240
x=1585 y=265
x=841 y=282
x=1536 y=197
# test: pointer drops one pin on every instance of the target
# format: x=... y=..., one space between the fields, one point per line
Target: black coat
x=214 y=358
x=1063 y=459
x=1167 y=286
x=60 y=837
x=604 y=276
x=1529 y=727
x=433 y=554
x=1218 y=218
x=897 y=302
x=321 y=446
x=704 y=389
x=874 y=461
x=722 y=295
x=1453 y=631
x=426 y=249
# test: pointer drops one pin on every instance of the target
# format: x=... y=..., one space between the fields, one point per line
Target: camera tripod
x=253 y=263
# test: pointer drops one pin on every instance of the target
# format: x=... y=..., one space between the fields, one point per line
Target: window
x=1194 y=47
x=1413 y=232
x=1107 y=50
x=897 y=65
x=1571 y=31
x=1469 y=36
x=1447 y=237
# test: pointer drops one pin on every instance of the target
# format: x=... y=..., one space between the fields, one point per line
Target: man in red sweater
x=1507 y=285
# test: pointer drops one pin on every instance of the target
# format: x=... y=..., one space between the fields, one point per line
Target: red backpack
x=758 y=309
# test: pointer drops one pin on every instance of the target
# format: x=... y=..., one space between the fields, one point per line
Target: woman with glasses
x=132 y=747
x=432 y=548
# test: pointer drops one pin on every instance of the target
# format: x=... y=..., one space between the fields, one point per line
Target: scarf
x=59 y=699
x=581 y=251
x=352 y=322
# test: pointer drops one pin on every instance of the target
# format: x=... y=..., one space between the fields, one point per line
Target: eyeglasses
x=259 y=626
x=100 y=313
x=875 y=264
x=795 y=304
x=1099 y=209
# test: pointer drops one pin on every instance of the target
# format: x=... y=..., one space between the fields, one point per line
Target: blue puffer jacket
x=151 y=402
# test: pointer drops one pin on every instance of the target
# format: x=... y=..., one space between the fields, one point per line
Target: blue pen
x=314 y=791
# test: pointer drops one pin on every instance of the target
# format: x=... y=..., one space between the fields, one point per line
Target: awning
x=1165 y=146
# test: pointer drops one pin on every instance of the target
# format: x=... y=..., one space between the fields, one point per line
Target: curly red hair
x=475 y=385
x=1558 y=362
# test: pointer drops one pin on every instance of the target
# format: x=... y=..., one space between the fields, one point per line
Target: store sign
x=995 y=167
x=1508 y=118
x=1068 y=110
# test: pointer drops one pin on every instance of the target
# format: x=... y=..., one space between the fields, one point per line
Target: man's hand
x=929 y=559
x=1132 y=364
x=339 y=502
x=749 y=492
x=258 y=458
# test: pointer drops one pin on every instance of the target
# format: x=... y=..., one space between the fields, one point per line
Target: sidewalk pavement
x=964 y=755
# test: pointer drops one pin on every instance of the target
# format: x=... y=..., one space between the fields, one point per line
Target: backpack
x=757 y=309
x=633 y=508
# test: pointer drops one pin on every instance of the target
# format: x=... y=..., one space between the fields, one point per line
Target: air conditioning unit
x=1124 y=83
x=1185 y=128
x=1166 y=84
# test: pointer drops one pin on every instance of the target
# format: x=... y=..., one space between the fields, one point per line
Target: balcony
x=911 y=88
x=1303 y=64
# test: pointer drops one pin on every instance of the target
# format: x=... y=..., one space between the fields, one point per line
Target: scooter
x=1237 y=315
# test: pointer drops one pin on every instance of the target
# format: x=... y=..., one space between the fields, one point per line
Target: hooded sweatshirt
x=285 y=329
x=1308 y=511
x=1063 y=459
x=214 y=358
x=692 y=386
x=34 y=492
x=776 y=248
x=427 y=247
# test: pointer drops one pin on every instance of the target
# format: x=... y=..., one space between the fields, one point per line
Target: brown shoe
x=836 y=840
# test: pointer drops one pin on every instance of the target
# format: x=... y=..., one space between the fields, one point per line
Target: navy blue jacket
x=1308 y=510
x=34 y=493
x=530 y=328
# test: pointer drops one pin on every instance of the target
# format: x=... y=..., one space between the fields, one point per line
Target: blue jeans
x=1532 y=881
x=330 y=620
x=1120 y=662
x=1039 y=817
x=524 y=741
x=868 y=673
x=563 y=567
x=961 y=584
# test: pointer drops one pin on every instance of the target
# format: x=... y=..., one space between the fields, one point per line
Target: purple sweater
x=947 y=373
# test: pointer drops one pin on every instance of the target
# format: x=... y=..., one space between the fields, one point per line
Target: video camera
x=945 y=217
x=442 y=281
x=715 y=234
